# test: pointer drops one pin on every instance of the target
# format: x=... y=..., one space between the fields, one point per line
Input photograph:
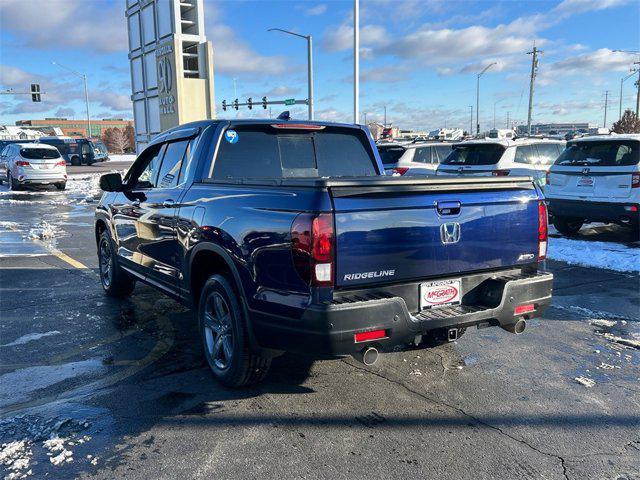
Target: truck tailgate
x=433 y=229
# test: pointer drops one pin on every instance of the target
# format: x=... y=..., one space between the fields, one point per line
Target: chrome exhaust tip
x=368 y=356
x=517 y=327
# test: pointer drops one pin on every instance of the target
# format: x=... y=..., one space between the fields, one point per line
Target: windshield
x=479 y=154
x=606 y=153
x=39 y=153
x=99 y=148
x=390 y=155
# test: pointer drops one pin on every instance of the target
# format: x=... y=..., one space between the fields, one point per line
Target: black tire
x=225 y=337
x=75 y=161
x=567 y=226
x=13 y=185
x=115 y=281
x=61 y=185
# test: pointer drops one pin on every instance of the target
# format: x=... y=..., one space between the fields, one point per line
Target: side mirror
x=111 y=182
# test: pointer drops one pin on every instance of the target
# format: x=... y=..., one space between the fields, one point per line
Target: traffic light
x=250 y=104
x=35 y=92
x=264 y=102
x=235 y=104
x=224 y=105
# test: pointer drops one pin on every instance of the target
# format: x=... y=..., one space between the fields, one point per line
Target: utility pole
x=534 y=71
x=478 y=96
x=356 y=60
x=385 y=116
x=638 y=94
x=508 y=119
x=471 y=120
x=606 y=104
x=86 y=94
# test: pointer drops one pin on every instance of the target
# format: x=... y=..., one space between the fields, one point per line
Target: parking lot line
x=71 y=261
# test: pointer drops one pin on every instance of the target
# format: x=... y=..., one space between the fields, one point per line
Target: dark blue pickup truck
x=288 y=237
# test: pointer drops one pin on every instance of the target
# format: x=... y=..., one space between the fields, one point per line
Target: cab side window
x=144 y=171
x=169 y=175
x=548 y=152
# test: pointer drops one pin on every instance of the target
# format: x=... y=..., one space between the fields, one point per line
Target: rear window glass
x=600 y=154
x=264 y=152
x=442 y=151
x=390 y=155
x=39 y=153
x=488 y=154
x=548 y=152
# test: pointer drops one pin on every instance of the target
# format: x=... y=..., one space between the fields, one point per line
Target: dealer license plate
x=440 y=293
x=586 y=182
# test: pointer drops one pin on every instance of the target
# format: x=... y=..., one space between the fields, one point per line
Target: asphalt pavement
x=92 y=387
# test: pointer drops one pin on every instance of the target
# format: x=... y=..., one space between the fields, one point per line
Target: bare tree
x=130 y=134
x=116 y=140
x=629 y=123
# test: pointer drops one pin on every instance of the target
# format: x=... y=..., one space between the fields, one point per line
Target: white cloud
x=337 y=39
x=317 y=10
x=65 y=112
x=572 y=7
x=282 y=91
x=70 y=24
x=598 y=61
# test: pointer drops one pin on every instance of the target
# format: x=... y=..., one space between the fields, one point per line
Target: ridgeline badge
x=231 y=136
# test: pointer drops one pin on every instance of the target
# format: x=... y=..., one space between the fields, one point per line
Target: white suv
x=417 y=158
x=596 y=179
x=32 y=164
x=500 y=157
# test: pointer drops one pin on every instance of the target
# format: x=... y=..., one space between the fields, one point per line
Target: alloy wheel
x=218 y=332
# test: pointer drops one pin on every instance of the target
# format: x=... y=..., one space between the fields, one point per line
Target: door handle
x=448 y=208
x=169 y=204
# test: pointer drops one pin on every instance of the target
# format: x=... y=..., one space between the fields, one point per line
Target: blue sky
x=418 y=57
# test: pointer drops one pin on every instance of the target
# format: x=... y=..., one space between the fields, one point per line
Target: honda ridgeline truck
x=287 y=237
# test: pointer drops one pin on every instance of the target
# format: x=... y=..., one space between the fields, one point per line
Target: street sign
x=290 y=101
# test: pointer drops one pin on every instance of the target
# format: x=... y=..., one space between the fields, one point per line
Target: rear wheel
x=224 y=332
x=61 y=185
x=115 y=281
x=75 y=161
x=567 y=225
x=13 y=185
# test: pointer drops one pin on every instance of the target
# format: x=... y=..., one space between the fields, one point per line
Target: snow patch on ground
x=42 y=231
x=15 y=457
x=30 y=338
x=587 y=382
x=130 y=157
x=612 y=256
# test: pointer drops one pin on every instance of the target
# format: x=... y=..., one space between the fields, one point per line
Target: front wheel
x=13 y=185
x=566 y=225
x=115 y=281
x=224 y=332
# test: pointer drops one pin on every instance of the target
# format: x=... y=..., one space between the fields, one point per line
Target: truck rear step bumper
x=330 y=329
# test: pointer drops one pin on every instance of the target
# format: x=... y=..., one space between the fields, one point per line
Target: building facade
x=75 y=128
x=171 y=65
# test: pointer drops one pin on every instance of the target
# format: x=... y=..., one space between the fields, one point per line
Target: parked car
x=502 y=157
x=596 y=179
x=285 y=236
x=75 y=151
x=32 y=164
x=420 y=158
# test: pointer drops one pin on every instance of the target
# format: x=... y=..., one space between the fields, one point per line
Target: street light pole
x=471 y=120
x=622 y=80
x=478 y=96
x=86 y=94
x=635 y=52
x=356 y=59
x=309 y=40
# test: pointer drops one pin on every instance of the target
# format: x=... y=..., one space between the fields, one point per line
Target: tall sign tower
x=171 y=65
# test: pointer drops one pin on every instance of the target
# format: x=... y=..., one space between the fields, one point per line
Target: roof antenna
x=286 y=115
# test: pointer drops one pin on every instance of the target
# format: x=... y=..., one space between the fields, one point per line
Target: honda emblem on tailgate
x=585 y=171
x=450 y=233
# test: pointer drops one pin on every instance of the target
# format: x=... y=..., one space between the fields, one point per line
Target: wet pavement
x=92 y=387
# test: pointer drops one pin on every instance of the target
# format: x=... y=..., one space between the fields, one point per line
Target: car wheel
x=224 y=333
x=61 y=185
x=566 y=225
x=75 y=161
x=115 y=281
x=13 y=185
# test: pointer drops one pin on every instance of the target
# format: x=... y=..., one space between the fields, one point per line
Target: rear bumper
x=606 y=212
x=330 y=329
x=32 y=177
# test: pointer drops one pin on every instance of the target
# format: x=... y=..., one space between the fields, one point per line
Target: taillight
x=500 y=173
x=543 y=230
x=22 y=163
x=297 y=126
x=61 y=163
x=400 y=170
x=312 y=243
x=635 y=180
x=521 y=309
